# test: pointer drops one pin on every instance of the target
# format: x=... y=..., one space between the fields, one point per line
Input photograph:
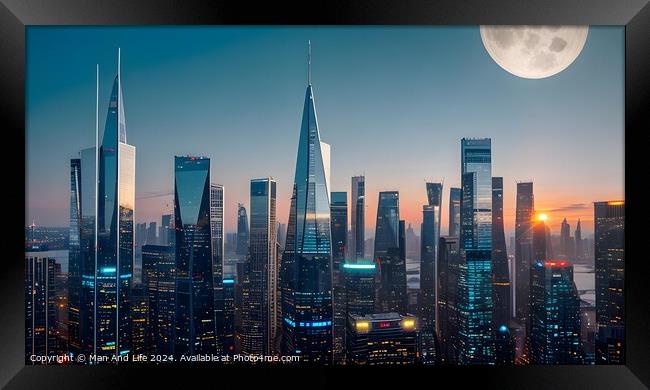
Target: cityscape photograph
x=325 y=195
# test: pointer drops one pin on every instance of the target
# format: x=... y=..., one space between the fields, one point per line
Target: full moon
x=534 y=52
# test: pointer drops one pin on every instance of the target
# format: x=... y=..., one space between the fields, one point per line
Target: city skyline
x=590 y=139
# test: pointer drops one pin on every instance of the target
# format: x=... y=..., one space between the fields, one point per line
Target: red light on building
x=556 y=263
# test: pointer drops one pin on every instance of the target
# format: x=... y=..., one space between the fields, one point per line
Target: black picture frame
x=15 y=15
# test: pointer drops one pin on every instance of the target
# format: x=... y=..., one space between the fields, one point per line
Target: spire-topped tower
x=114 y=230
x=306 y=263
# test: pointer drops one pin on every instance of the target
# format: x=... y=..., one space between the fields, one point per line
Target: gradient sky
x=393 y=102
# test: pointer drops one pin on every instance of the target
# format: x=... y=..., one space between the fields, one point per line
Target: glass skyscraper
x=430 y=234
x=307 y=259
x=360 y=287
x=609 y=251
x=554 y=314
x=454 y=212
x=158 y=275
x=86 y=284
x=524 y=214
x=261 y=302
x=114 y=234
x=500 y=271
x=390 y=255
x=447 y=305
x=74 y=257
x=476 y=339
x=339 y=222
x=40 y=307
x=216 y=233
x=242 y=231
x=357 y=217
x=194 y=320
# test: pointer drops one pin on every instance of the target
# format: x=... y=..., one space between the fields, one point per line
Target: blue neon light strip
x=109 y=270
x=228 y=281
x=358 y=266
x=310 y=324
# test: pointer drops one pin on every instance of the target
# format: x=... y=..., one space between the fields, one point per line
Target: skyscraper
x=448 y=269
x=306 y=262
x=580 y=250
x=152 y=232
x=565 y=239
x=158 y=276
x=454 y=212
x=339 y=226
x=140 y=318
x=40 y=307
x=609 y=252
x=262 y=299
x=476 y=339
x=114 y=234
x=242 y=231
x=227 y=336
x=430 y=234
x=74 y=257
x=525 y=210
x=540 y=239
x=500 y=272
x=167 y=230
x=194 y=320
x=87 y=190
x=357 y=217
x=390 y=255
x=554 y=314
x=359 y=287
x=216 y=234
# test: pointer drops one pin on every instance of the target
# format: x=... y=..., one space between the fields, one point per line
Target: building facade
x=390 y=256
x=500 y=270
x=609 y=244
x=194 y=319
x=476 y=338
x=454 y=212
x=357 y=217
x=339 y=226
x=554 y=336
x=524 y=218
x=382 y=339
x=262 y=298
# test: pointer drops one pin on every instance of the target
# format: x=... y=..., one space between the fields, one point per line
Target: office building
x=194 y=320
x=609 y=252
x=476 y=338
x=390 y=255
x=339 y=226
x=357 y=217
x=307 y=258
x=554 y=336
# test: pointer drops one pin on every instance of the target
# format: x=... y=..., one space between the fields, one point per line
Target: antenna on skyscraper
x=119 y=62
x=309 y=62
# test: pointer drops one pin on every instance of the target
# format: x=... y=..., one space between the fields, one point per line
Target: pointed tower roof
x=115 y=127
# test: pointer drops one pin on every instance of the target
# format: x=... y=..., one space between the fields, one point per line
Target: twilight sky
x=393 y=102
